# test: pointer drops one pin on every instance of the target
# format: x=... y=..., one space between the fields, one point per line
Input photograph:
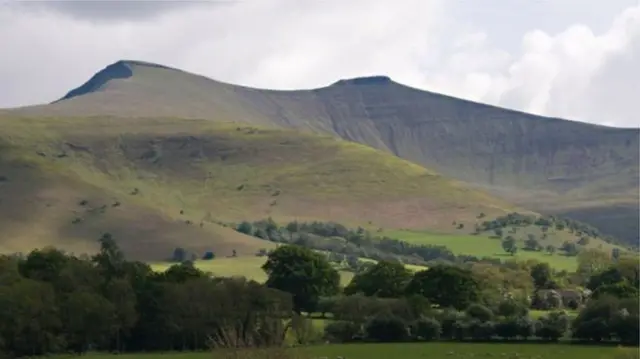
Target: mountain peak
x=367 y=80
x=121 y=69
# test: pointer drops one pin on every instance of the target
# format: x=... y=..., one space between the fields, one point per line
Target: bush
x=448 y=320
x=625 y=326
x=426 y=329
x=342 y=332
x=303 y=330
x=326 y=305
x=507 y=328
x=460 y=329
x=592 y=322
x=514 y=327
x=386 y=328
x=245 y=227
x=512 y=308
x=553 y=327
x=481 y=330
x=479 y=312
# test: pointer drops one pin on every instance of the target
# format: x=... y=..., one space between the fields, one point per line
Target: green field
x=480 y=246
x=418 y=351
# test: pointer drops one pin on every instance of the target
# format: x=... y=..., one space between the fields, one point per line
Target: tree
x=29 y=322
x=597 y=321
x=426 y=329
x=303 y=273
x=615 y=253
x=541 y=274
x=180 y=273
x=532 y=244
x=246 y=228
x=293 y=227
x=385 y=279
x=550 y=249
x=386 y=328
x=571 y=249
x=88 y=319
x=447 y=286
x=110 y=259
x=592 y=261
x=44 y=265
x=509 y=245
x=583 y=241
x=479 y=312
x=619 y=290
x=179 y=255
x=511 y=308
x=553 y=327
x=342 y=331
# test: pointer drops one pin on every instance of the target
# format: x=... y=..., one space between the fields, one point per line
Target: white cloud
x=565 y=66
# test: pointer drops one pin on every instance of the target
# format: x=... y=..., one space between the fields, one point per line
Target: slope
x=158 y=184
x=551 y=165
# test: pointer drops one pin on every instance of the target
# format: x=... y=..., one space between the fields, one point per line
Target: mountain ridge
x=121 y=69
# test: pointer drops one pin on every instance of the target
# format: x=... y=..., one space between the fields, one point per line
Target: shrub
x=342 y=332
x=553 y=327
x=479 y=312
x=512 y=308
x=481 y=330
x=511 y=328
x=245 y=227
x=386 y=328
x=448 y=320
x=426 y=329
x=507 y=328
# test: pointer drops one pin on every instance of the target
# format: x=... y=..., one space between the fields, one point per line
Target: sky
x=575 y=59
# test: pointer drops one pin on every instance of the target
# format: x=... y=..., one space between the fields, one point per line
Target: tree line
x=52 y=302
x=355 y=243
x=387 y=302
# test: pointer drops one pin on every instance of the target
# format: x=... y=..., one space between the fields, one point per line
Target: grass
x=484 y=246
x=177 y=178
x=538 y=162
x=425 y=350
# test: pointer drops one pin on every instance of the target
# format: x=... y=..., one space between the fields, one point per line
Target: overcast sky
x=577 y=59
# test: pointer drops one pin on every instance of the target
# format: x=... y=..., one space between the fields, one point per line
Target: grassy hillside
x=550 y=165
x=156 y=184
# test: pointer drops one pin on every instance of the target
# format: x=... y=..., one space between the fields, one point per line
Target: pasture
x=480 y=246
x=414 y=351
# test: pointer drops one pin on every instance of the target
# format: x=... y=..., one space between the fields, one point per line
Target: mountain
x=550 y=165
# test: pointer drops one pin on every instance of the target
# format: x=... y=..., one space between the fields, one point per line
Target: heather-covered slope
x=557 y=166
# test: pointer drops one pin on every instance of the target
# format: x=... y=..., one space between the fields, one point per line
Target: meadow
x=480 y=246
x=419 y=351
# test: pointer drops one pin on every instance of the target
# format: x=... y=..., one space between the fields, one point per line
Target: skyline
x=577 y=65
